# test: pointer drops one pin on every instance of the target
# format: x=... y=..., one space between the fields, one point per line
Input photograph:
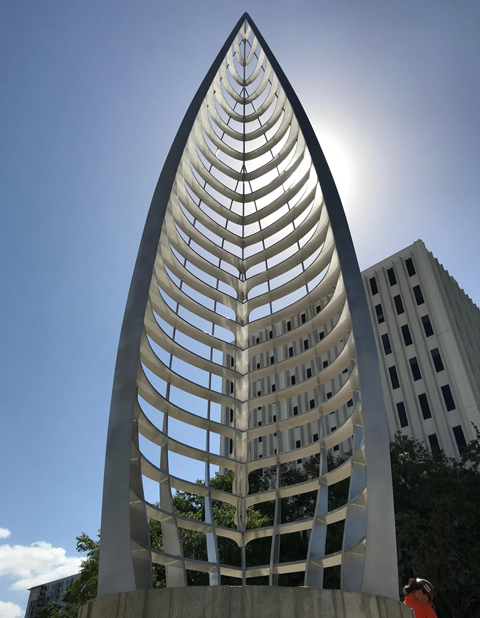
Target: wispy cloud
x=36 y=564
x=4 y=533
x=10 y=610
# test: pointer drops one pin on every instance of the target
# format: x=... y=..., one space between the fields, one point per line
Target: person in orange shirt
x=419 y=595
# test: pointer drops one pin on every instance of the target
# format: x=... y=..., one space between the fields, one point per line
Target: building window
x=336 y=447
x=305 y=344
x=259 y=393
x=414 y=366
x=315 y=437
x=407 y=337
x=257 y=340
x=270 y=334
x=427 y=326
x=274 y=419
x=318 y=308
x=259 y=423
x=292 y=380
x=349 y=403
x=289 y=325
x=321 y=335
x=398 y=304
x=274 y=388
x=394 y=377
x=373 y=286
x=295 y=410
x=329 y=395
x=424 y=405
x=312 y=403
x=433 y=441
x=437 y=360
x=231 y=447
x=258 y=365
x=231 y=387
x=297 y=444
x=386 y=344
x=325 y=364
x=379 y=312
x=345 y=370
x=231 y=415
x=290 y=352
x=272 y=360
x=402 y=414
x=260 y=440
x=448 y=397
x=459 y=437
x=309 y=373
x=391 y=276
x=304 y=318
x=410 y=267
x=418 y=295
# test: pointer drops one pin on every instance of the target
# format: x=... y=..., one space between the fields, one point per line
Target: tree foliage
x=49 y=610
x=437 y=510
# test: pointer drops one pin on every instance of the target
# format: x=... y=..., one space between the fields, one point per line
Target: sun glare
x=340 y=162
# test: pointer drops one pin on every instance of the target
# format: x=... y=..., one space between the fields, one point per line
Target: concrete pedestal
x=243 y=602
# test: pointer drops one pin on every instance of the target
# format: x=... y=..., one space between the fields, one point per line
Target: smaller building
x=49 y=592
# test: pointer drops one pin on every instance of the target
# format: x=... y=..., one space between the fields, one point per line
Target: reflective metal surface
x=246 y=251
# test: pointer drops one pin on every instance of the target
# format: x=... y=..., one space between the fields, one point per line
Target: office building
x=50 y=592
x=427 y=331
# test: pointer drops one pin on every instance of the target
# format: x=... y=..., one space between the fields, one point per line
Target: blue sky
x=92 y=95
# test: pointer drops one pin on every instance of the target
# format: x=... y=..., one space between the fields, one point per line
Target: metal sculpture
x=245 y=237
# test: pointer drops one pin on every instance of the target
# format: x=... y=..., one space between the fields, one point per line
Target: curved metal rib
x=246 y=274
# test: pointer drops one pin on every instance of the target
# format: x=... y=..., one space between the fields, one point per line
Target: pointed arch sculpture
x=246 y=237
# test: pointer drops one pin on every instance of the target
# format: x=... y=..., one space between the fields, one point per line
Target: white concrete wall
x=244 y=602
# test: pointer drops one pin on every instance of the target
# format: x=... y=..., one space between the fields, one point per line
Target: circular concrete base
x=243 y=602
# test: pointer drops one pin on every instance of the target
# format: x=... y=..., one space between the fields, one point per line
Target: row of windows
x=432 y=438
x=435 y=352
x=458 y=435
x=294 y=413
x=293 y=379
x=407 y=339
x=424 y=405
x=399 y=304
x=302 y=320
x=297 y=442
x=393 y=279
x=291 y=352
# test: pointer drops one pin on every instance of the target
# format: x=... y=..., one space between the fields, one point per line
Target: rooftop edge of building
x=399 y=254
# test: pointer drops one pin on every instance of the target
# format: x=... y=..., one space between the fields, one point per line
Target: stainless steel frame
x=245 y=232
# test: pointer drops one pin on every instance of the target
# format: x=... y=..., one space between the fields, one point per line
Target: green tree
x=437 y=512
x=84 y=588
x=49 y=610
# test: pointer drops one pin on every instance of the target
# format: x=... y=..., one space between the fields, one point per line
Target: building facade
x=427 y=332
x=51 y=592
x=246 y=320
x=302 y=401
